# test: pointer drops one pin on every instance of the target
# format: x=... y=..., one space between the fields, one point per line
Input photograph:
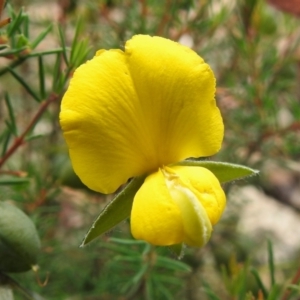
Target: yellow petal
x=196 y=224
x=207 y=188
x=176 y=90
x=128 y=113
x=155 y=217
x=102 y=124
x=177 y=205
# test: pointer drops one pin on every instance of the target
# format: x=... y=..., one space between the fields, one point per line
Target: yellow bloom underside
x=128 y=113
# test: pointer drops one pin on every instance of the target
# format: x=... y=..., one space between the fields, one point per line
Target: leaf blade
x=115 y=212
x=225 y=172
x=13 y=181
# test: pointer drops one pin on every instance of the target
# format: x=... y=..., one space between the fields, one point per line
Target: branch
x=20 y=140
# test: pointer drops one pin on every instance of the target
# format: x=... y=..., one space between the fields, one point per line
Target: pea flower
x=141 y=111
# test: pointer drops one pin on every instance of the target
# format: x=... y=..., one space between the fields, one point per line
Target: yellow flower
x=136 y=112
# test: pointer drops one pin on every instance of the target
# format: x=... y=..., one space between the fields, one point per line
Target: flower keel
x=168 y=209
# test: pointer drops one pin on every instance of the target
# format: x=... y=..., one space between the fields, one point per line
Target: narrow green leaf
x=271 y=262
x=209 y=293
x=40 y=37
x=15 y=24
x=6 y=138
x=34 y=137
x=25 y=85
x=63 y=43
x=259 y=282
x=80 y=53
x=22 y=41
x=3 y=47
x=11 y=114
x=223 y=171
x=138 y=276
x=167 y=278
x=46 y=52
x=76 y=54
x=26 y=25
x=125 y=258
x=14 y=64
x=61 y=81
x=10 y=127
x=294 y=287
x=126 y=241
x=75 y=39
x=125 y=250
x=241 y=284
x=115 y=212
x=274 y=292
x=13 y=181
x=165 y=292
x=56 y=73
x=10 y=11
x=42 y=77
x=150 y=287
x=13 y=51
x=172 y=264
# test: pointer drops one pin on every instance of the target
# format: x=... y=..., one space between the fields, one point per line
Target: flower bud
x=19 y=241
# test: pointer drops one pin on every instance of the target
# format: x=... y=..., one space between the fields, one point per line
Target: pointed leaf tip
x=224 y=171
x=115 y=212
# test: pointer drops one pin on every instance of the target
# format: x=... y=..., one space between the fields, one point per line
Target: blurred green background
x=253 y=47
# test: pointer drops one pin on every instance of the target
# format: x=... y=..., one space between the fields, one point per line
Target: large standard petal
x=177 y=205
x=176 y=89
x=129 y=113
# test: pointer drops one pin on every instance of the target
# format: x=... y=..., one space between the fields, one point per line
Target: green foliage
x=152 y=274
x=238 y=278
x=254 y=52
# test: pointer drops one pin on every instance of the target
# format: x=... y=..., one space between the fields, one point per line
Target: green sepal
x=225 y=172
x=115 y=212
